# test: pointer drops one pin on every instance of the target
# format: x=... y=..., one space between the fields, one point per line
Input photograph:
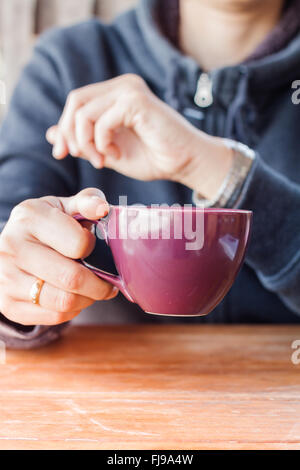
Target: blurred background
x=21 y=21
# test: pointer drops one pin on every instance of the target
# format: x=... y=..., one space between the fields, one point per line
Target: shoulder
x=91 y=50
x=80 y=36
x=89 y=35
x=82 y=53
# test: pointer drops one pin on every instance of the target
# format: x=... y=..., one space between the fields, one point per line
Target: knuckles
x=81 y=244
x=126 y=83
x=6 y=275
x=132 y=90
x=134 y=80
x=105 y=292
x=20 y=220
x=24 y=211
x=12 y=312
x=81 y=239
x=75 y=97
x=66 y=302
x=6 y=307
x=8 y=246
x=81 y=115
x=72 y=279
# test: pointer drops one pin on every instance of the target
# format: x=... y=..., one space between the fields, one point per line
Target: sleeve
x=274 y=249
x=27 y=169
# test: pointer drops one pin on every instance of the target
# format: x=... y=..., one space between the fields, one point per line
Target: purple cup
x=174 y=260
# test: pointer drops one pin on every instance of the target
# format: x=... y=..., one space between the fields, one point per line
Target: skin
x=226 y=31
x=35 y=243
x=120 y=124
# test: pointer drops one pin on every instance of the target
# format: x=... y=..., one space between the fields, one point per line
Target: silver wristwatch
x=229 y=192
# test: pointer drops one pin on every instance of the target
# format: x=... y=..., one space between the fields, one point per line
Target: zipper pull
x=203 y=96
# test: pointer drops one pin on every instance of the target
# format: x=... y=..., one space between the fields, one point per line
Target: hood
x=154 y=55
x=241 y=89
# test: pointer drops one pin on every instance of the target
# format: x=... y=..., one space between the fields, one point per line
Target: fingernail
x=102 y=210
x=100 y=206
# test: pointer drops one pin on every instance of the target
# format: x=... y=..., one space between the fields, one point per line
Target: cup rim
x=212 y=210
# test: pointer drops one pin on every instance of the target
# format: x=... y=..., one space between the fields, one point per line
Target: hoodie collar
x=282 y=65
x=162 y=49
x=161 y=63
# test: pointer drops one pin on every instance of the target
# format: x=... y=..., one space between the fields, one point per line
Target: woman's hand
x=121 y=124
x=42 y=240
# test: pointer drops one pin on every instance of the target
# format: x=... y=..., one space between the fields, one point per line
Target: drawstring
x=177 y=86
x=172 y=97
x=236 y=126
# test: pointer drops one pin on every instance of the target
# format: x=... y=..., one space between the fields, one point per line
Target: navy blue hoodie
x=251 y=103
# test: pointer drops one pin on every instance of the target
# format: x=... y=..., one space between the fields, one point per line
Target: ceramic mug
x=175 y=260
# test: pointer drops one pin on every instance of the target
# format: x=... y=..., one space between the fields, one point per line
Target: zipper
x=204 y=96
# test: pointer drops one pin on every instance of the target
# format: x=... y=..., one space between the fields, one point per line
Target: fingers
x=48 y=220
x=16 y=305
x=79 y=143
x=57 y=139
x=38 y=242
x=61 y=272
x=90 y=203
x=53 y=228
x=60 y=149
x=76 y=118
x=95 y=126
x=75 y=101
x=51 y=298
x=104 y=132
x=28 y=314
x=82 y=110
x=84 y=133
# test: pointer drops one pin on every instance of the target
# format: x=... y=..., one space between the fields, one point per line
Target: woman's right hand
x=41 y=240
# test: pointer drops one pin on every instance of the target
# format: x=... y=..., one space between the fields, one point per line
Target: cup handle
x=114 y=279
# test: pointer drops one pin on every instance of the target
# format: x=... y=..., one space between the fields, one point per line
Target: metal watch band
x=243 y=158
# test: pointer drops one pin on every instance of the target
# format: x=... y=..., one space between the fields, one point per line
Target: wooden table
x=154 y=387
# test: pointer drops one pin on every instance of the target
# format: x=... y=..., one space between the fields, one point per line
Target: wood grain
x=154 y=387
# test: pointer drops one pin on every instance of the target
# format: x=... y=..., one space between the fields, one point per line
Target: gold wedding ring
x=35 y=291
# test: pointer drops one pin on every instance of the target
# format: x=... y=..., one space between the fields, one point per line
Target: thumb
x=90 y=203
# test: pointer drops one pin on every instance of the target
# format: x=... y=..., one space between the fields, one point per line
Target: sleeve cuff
x=231 y=188
x=16 y=336
x=275 y=202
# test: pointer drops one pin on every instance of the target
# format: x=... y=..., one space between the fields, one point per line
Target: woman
x=141 y=108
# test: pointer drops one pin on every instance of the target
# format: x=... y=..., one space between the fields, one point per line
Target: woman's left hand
x=121 y=124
